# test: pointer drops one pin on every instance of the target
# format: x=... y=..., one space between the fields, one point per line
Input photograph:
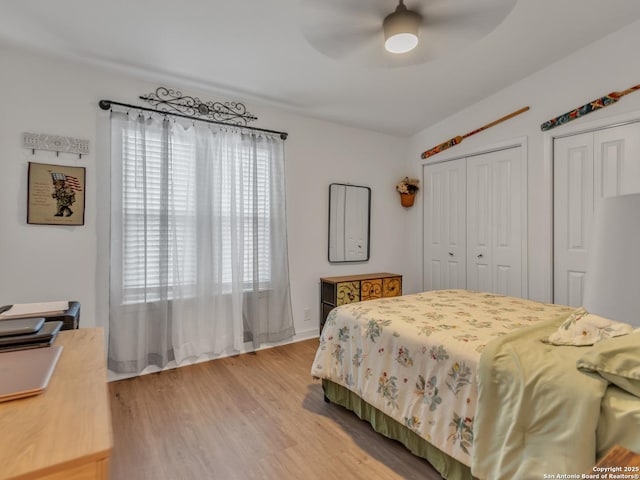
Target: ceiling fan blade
x=339 y=27
x=356 y=8
x=451 y=26
x=485 y=14
x=340 y=45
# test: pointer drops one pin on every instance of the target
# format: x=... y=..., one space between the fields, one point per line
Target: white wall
x=44 y=95
x=39 y=263
x=600 y=68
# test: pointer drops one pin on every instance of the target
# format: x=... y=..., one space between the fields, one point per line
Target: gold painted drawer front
x=371 y=289
x=348 y=292
x=391 y=287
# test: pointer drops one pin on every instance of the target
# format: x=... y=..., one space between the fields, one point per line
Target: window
x=169 y=212
x=198 y=241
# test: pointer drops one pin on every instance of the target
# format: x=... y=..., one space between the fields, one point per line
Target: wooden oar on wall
x=601 y=102
x=456 y=140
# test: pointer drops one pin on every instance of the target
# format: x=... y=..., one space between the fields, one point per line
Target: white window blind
x=161 y=215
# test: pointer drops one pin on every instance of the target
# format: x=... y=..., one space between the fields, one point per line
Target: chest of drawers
x=336 y=291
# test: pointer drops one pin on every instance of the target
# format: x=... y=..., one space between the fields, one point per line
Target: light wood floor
x=253 y=416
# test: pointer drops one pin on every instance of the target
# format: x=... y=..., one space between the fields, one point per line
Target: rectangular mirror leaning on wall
x=349 y=223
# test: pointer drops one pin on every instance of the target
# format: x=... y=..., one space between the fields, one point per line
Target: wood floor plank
x=252 y=416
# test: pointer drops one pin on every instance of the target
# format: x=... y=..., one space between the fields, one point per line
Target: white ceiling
x=258 y=49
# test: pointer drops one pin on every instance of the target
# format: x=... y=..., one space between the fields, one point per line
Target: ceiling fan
x=397 y=32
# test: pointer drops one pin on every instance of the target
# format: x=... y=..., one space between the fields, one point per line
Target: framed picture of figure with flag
x=56 y=194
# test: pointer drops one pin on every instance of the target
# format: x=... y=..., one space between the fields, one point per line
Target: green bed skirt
x=448 y=467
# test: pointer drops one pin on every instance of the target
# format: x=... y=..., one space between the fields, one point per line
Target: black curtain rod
x=106 y=105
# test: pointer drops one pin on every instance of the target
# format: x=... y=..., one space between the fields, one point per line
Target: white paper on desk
x=25 y=309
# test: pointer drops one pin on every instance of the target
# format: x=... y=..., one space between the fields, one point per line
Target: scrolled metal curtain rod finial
x=170 y=100
x=104 y=104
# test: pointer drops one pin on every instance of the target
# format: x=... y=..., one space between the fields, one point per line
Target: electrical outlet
x=307 y=314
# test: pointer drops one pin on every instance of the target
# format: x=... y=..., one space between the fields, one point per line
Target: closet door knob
x=480 y=256
x=451 y=254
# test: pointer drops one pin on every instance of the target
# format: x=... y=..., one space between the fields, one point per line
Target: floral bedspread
x=415 y=357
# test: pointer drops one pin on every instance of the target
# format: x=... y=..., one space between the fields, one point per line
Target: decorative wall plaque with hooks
x=55 y=143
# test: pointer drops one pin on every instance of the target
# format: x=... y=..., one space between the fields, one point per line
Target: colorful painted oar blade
x=443 y=146
x=580 y=111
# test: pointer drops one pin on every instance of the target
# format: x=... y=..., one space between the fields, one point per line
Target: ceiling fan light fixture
x=401 y=30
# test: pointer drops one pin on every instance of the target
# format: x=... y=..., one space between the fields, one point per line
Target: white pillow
x=584 y=328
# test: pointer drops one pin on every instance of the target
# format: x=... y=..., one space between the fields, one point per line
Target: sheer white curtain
x=198 y=242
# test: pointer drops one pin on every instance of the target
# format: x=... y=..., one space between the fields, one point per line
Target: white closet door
x=587 y=167
x=444 y=225
x=494 y=222
x=573 y=211
x=616 y=161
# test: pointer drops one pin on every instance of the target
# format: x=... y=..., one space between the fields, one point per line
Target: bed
x=462 y=379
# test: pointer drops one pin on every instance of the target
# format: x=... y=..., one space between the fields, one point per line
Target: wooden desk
x=65 y=432
x=626 y=461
